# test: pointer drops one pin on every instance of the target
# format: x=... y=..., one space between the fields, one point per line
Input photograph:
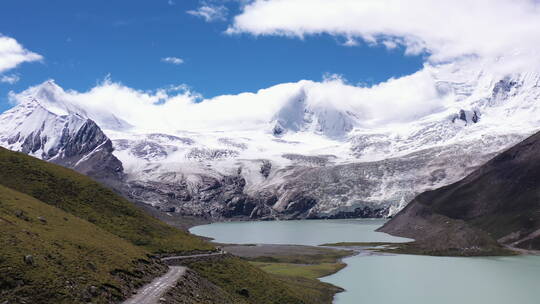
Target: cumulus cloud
x=173 y=60
x=12 y=54
x=210 y=12
x=446 y=30
x=10 y=79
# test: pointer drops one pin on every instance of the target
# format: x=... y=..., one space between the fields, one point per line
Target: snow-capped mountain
x=310 y=159
x=59 y=135
x=298 y=115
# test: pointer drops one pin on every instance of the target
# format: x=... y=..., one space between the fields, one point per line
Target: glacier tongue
x=311 y=159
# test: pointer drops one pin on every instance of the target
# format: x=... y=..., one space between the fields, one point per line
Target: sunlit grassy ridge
x=252 y=285
x=87 y=244
x=313 y=271
x=87 y=236
x=69 y=254
x=89 y=200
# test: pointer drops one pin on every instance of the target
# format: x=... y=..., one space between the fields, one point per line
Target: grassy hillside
x=81 y=196
x=67 y=239
x=68 y=255
x=249 y=284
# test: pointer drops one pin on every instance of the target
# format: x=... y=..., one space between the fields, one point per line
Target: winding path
x=151 y=293
x=172 y=259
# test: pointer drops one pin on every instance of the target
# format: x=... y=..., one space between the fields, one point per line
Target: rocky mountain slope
x=499 y=203
x=312 y=159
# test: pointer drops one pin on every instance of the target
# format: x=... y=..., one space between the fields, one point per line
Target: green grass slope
x=69 y=255
x=81 y=196
x=249 y=284
x=88 y=244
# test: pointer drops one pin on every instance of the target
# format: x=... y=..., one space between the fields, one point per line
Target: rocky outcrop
x=212 y=198
x=90 y=152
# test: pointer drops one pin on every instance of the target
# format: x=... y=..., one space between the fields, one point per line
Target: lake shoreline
x=311 y=262
x=368 y=272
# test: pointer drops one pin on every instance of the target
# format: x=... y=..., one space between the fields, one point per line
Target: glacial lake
x=391 y=279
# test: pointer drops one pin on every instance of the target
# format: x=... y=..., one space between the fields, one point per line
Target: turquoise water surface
x=393 y=279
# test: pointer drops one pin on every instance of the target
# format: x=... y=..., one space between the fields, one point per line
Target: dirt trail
x=151 y=293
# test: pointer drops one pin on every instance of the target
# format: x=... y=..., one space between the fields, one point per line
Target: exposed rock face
x=469 y=117
x=212 y=198
x=498 y=201
x=90 y=152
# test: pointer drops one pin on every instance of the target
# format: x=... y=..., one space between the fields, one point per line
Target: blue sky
x=84 y=41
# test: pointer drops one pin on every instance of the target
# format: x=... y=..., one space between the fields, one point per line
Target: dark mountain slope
x=498 y=204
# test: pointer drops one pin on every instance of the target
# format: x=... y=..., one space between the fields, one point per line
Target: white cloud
x=173 y=60
x=178 y=108
x=12 y=54
x=10 y=79
x=444 y=29
x=492 y=36
x=171 y=2
x=210 y=12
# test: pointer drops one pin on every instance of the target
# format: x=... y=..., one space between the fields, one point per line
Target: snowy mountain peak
x=54 y=99
x=34 y=129
x=49 y=96
x=300 y=114
x=58 y=134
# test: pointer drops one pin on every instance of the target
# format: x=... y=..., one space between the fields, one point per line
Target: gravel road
x=151 y=293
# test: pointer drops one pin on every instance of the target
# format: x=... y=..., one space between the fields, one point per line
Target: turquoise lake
x=389 y=279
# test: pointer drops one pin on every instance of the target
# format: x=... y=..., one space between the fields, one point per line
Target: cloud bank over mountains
x=486 y=36
x=397 y=100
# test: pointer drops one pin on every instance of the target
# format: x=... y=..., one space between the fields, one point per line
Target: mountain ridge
x=496 y=205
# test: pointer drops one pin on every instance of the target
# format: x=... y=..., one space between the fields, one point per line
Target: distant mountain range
x=312 y=159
